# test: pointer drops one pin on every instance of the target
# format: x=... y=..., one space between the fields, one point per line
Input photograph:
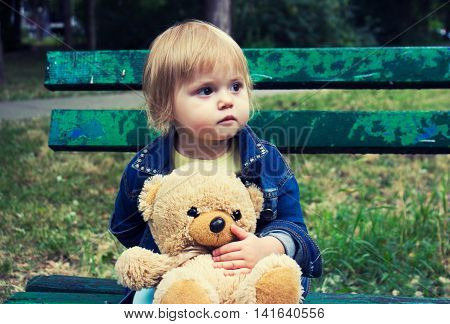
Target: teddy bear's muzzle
x=212 y=228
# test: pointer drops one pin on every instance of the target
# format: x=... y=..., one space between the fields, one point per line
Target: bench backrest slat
x=295 y=68
x=291 y=131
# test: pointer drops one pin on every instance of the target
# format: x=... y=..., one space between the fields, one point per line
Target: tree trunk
x=447 y=23
x=91 y=25
x=10 y=19
x=219 y=13
x=16 y=25
x=67 y=15
x=2 y=64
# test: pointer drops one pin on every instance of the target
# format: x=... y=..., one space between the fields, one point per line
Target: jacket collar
x=251 y=147
x=156 y=158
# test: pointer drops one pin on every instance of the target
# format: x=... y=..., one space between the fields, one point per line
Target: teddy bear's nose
x=217 y=225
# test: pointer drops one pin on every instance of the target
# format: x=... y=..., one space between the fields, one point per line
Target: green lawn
x=24 y=74
x=381 y=220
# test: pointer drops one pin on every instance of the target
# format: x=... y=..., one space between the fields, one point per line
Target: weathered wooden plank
x=313 y=298
x=68 y=289
x=399 y=132
x=69 y=284
x=63 y=298
x=276 y=68
x=320 y=298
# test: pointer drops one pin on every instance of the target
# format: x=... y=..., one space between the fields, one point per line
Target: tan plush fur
x=184 y=271
x=186 y=292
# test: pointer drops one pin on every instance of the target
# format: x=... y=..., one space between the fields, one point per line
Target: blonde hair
x=176 y=56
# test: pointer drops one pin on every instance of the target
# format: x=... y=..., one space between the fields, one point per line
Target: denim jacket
x=262 y=164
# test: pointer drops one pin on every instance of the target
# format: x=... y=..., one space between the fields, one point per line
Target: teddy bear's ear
x=257 y=197
x=148 y=194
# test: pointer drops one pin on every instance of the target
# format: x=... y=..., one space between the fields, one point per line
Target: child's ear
x=148 y=195
x=257 y=198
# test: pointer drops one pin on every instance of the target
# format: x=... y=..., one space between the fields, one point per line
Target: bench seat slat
x=399 y=132
x=84 y=290
x=69 y=284
x=63 y=298
x=321 y=298
x=313 y=298
x=278 y=68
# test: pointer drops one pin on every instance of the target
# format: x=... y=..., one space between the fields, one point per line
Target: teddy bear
x=190 y=212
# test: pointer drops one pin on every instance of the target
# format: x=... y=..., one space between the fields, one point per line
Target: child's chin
x=227 y=131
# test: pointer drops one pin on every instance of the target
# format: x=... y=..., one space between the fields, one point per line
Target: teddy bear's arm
x=139 y=268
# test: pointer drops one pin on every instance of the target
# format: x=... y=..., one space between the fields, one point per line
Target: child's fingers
x=231 y=265
x=240 y=233
x=229 y=257
x=227 y=248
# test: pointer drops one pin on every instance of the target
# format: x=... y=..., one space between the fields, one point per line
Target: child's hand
x=240 y=257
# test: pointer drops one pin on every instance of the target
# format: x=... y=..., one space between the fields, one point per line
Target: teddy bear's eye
x=237 y=215
x=193 y=212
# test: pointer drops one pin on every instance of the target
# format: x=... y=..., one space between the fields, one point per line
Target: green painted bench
x=309 y=132
x=78 y=290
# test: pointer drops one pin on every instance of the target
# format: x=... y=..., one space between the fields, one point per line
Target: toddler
x=198 y=91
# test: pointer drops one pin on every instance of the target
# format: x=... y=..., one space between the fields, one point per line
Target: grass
x=381 y=220
x=370 y=100
x=24 y=74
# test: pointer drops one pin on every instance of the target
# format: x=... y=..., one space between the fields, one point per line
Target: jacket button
x=266 y=213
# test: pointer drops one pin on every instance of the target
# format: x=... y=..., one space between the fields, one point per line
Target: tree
x=404 y=22
x=297 y=23
x=2 y=65
x=67 y=16
x=91 y=35
x=16 y=22
x=11 y=20
x=219 y=13
x=134 y=24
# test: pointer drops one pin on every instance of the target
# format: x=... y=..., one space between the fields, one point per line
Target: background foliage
x=281 y=23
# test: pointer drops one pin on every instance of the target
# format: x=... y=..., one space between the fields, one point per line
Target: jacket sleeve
x=286 y=239
x=290 y=220
x=126 y=223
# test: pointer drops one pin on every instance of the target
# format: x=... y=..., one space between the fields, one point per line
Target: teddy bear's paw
x=135 y=268
x=278 y=286
x=274 y=279
x=185 y=292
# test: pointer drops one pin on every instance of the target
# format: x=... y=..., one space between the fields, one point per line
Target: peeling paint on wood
x=82 y=290
x=291 y=131
x=294 y=68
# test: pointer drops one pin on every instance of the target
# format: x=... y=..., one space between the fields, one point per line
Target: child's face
x=202 y=103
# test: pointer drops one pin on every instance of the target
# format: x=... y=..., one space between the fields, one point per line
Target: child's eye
x=206 y=91
x=236 y=86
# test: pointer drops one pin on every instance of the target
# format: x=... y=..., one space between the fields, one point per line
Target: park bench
x=315 y=132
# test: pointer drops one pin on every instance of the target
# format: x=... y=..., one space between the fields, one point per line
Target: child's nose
x=225 y=100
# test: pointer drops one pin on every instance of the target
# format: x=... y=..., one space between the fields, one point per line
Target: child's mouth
x=227 y=119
